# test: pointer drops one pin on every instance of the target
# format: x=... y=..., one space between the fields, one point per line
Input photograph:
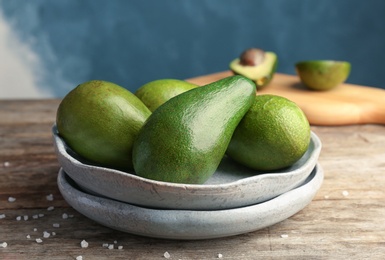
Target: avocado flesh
x=261 y=74
x=185 y=139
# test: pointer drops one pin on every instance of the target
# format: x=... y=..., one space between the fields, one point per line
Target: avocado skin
x=257 y=140
x=99 y=120
x=262 y=81
x=184 y=140
x=322 y=75
x=155 y=93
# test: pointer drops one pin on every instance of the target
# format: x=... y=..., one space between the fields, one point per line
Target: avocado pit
x=252 y=57
x=257 y=65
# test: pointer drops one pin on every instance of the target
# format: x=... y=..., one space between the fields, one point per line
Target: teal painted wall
x=133 y=42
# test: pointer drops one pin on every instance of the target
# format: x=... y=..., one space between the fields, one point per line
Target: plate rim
x=299 y=197
x=62 y=147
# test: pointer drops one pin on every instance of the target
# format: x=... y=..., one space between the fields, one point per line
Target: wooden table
x=346 y=219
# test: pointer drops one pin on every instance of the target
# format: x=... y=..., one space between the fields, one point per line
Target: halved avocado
x=322 y=74
x=257 y=65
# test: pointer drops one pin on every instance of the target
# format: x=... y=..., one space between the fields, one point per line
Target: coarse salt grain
x=166 y=255
x=111 y=246
x=2 y=216
x=38 y=240
x=326 y=196
x=25 y=217
x=11 y=199
x=79 y=257
x=284 y=235
x=105 y=245
x=6 y=164
x=35 y=229
x=50 y=208
x=84 y=244
x=46 y=234
x=28 y=236
x=56 y=225
x=345 y=193
x=49 y=197
x=220 y=256
x=64 y=216
x=18 y=218
x=4 y=245
x=120 y=247
x=41 y=215
x=53 y=233
x=35 y=216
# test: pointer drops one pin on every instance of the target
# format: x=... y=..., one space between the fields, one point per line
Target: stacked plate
x=233 y=201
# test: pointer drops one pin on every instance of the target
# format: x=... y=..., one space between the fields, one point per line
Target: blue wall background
x=133 y=42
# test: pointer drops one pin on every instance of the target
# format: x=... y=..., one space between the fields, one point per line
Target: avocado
x=272 y=135
x=322 y=74
x=155 y=93
x=257 y=65
x=99 y=121
x=184 y=140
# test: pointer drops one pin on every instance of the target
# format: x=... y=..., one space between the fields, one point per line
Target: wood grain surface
x=346 y=219
x=346 y=104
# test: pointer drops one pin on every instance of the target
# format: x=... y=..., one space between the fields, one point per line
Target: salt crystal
x=111 y=246
x=345 y=193
x=46 y=234
x=6 y=164
x=18 y=218
x=84 y=244
x=167 y=255
x=35 y=229
x=35 y=216
x=105 y=245
x=56 y=225
x=50 y=208
x=326 y=196
x=284 y=236
x=64 y=216
x=25 y=217
x=53 y=233
x=41 y=215
x=220 y=256
x=38 y=240
x=4 y=245
x=79 y=257
x=120 y=247
x=71 y=216
x=49 y=197
x=11 y=199
x=115 y=242
x=28 y=236
x=2 y=216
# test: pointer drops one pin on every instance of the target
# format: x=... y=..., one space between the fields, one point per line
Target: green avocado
x=256 y=65
x=272 y=135
x=99 y=121
x=184 y=140
x=322 y=74
x=155 y=93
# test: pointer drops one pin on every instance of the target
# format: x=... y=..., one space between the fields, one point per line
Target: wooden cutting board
x=345 y=105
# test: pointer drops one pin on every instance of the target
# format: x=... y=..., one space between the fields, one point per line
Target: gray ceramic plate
x=231 y=186
x=189 y=224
